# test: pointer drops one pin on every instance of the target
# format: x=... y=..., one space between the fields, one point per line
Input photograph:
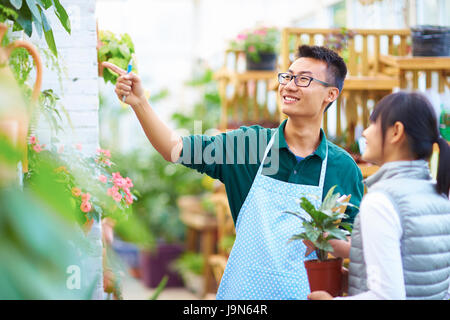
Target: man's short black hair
x=336 y=67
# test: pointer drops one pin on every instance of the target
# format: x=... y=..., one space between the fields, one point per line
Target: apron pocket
x=266 y=284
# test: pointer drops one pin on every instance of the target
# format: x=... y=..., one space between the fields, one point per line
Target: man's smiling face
x=305 y=102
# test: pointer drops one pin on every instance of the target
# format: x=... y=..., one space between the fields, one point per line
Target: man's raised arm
x=165 y=140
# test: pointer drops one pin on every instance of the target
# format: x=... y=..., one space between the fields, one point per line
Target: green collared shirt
x=235 y=156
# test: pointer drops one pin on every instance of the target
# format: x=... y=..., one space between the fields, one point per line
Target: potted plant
x=320 y=226
x=190 y=266
x=430 y=41
x=260 y=46
x=338 y=41
x=118 y=50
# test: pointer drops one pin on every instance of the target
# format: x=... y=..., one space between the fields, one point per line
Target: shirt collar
x=320 y=151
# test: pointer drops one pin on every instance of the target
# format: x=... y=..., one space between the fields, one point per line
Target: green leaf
x=49 y=35
x=38 y=27
x=300 y=236
x=336 y=234
x=45 y=3
x=329 y=202
x=25 y=21
x=306 y=205
x=297 y=214
x=16 y=3
x=45 y=22
x=34 y=10
x=347 y=226
x=160 y=288
x=311 y=232
x=324 y=245
x=62 y=16
x=124 y=51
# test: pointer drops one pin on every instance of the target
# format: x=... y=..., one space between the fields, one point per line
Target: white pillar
x=77 y=55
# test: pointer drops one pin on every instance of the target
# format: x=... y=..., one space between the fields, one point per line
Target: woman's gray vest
x=425 y=221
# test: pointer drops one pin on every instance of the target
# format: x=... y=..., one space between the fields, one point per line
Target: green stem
x=322 y=255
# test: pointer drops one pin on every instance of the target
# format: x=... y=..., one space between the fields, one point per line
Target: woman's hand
x=128 y=85
x=320 y=295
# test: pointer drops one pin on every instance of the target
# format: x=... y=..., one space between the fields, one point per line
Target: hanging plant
x=25 y=14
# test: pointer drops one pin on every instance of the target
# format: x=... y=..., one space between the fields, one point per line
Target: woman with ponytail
x=400 y=244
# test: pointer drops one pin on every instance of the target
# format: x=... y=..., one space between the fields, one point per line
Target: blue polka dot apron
x=262 y=264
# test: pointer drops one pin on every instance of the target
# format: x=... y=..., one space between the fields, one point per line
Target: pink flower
x=76 y=192
x=251 y=49
x=107 y=153
x=116 y=175
x=241 y=36
x=117 y=196
x=33 y=140
x=128 y=198
x=118 y=180
x=102 y=178
x=86 y=206
x=112 y=191
x=85 y=197
x=261 y=32
x=37 y=148
x=128 y=182
x=79 y=146
x=107 y=162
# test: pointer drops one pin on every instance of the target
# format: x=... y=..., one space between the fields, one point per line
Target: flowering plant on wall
x=96 y=189
x=257 y=41
x=338 y=41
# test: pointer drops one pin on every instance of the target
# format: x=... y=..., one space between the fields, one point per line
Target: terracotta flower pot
x=325 y=275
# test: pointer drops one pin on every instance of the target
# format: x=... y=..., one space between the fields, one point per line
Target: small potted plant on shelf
x=338 y=41
x=190 y=266
x=320 y=226
x=260 y=46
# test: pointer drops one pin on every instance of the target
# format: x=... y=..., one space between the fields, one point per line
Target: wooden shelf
x=367 y=169
x=417 y=63
x=378 y=82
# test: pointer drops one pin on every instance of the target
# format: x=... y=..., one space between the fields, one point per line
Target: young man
x=265 y=171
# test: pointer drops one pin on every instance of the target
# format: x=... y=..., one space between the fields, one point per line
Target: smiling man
x=265 y=171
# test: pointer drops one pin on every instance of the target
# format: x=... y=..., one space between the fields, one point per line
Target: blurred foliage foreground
x=41 y=244
x=45 y=250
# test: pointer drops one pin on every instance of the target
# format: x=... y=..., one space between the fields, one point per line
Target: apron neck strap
x=322 y=170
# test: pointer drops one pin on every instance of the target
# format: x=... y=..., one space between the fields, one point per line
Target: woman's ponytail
x=443 y=174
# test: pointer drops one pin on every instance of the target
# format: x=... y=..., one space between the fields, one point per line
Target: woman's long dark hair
x=418 y=117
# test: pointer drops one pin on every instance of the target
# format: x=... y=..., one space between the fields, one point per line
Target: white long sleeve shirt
x=381 y=232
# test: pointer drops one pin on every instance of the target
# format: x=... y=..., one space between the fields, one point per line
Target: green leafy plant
x=26 y=13
x=39 y=236
x=189 y=262
x=256 y=41
x=207 y=108
x=95 y=189
x=118 y=50
x=227 y=242
x=322 y=224
x=160 y=184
